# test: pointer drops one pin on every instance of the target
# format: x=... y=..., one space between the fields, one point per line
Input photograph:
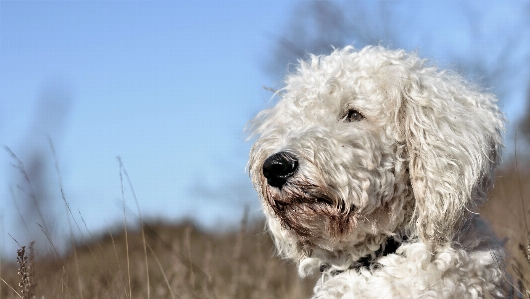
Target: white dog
x=369 y=168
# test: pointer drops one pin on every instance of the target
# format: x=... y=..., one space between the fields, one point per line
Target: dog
x=370 y=167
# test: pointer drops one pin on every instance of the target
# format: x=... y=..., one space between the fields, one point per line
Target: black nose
x=279 y=167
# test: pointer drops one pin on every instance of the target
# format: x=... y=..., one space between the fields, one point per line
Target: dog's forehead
x=325 y=89
x=334 y=89
x=332 y=101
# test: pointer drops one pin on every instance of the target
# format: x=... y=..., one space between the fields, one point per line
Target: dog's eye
x=353 y=115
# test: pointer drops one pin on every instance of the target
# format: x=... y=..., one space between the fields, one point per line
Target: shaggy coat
x=370 y=168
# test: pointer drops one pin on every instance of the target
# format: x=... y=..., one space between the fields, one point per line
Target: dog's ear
x=452 y=132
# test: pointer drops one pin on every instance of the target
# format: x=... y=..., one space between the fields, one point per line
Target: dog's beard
x=311 y=211
x=322 y=220
x=317 y=216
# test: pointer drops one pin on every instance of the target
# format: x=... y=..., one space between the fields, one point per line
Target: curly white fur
x=385 y=146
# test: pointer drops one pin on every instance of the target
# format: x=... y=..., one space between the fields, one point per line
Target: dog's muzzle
x=279 y=167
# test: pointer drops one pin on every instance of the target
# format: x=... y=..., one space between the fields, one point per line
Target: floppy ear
x=453 y=135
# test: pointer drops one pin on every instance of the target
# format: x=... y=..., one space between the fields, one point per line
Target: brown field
x=507 y=212
x=180 y=261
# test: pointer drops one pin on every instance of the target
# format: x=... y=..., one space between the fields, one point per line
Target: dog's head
x=365 y=145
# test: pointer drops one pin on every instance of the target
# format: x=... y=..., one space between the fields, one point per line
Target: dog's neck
x=389 y=247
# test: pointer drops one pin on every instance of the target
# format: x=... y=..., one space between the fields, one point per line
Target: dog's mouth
x=293 y=196
x=281 y=205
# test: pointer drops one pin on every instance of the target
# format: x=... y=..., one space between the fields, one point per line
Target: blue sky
x=167 y=86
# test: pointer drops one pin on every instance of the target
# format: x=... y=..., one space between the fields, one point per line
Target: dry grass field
x=508 y=213
x=180 y=261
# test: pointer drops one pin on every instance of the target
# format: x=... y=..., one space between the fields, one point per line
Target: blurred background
x=168 y=87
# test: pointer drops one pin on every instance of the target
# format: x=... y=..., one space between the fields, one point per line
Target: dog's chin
x=317 y=220
x=322 y=222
